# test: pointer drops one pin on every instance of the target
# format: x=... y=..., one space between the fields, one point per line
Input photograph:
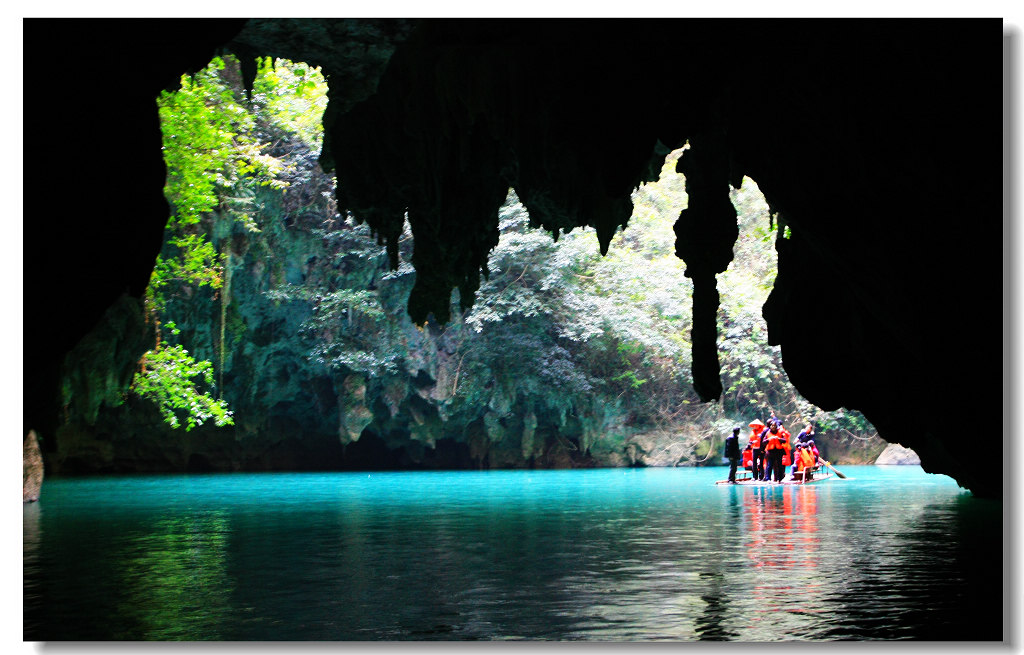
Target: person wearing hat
x=732 y=453
x=756 y=450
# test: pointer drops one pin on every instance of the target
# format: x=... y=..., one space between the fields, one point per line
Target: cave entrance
x=566 y=358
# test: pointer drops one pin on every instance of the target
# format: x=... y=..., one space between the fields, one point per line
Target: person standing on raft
x=732 y=453
x=774 y=450
x=756 y=452
x=766 y=474
x=787 y=446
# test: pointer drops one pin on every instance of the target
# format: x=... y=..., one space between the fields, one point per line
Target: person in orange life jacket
x=766 y=472
x=805 y=459
x=774 y=450
x=732 y=453
x=756 y=451
x=787 y=442
x=787 y=445
x=810 y=457
x=796 y=458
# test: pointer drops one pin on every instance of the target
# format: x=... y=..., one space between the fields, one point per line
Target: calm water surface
x=609 y=554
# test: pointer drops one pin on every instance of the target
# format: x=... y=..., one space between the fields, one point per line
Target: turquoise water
x=607 y=554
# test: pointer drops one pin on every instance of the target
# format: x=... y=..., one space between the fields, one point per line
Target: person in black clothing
x=807 y=434
x=732 y=453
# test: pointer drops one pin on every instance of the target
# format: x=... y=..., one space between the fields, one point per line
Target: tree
x=214 y=162
x=167 y=377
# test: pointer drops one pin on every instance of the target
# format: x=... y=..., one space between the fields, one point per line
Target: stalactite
x=705 y=234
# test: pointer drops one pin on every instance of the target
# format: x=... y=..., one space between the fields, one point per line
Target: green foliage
x=215 y=160
x=199 y=123
x=629 y=354
x=293 y=97
x=190 y=260
x=531 y=303
x=215 y=151
x=349 y=328
x=168 y=378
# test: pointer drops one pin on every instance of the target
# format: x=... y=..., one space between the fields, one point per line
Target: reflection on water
x=174 y=578
x=659 y=554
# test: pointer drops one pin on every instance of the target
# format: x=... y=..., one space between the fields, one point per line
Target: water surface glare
x=606 y=554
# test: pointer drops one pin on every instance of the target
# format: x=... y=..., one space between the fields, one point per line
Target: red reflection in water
x=783 y=548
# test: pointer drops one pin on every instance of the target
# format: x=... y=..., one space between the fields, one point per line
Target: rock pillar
x=32 y=466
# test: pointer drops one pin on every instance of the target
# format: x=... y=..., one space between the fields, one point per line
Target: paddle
x=835 y=470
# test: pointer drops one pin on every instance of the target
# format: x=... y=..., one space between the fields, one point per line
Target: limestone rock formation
x=100 y=367
x=653 y=449
x=32 y=468
x=896 y=454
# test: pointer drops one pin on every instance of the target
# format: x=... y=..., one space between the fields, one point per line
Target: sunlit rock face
x=877 y=143
x=895 y=454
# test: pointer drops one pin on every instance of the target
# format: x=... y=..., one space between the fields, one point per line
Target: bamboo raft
x=817 y=474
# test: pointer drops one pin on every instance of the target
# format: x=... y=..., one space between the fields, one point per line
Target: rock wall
x=293 y=410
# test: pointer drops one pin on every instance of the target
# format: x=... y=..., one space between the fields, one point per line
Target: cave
x=438 y=118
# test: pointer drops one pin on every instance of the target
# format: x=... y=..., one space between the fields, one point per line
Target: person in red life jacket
x=756 y=452
x=764 y=447
x=786 y=441
x=796 y=459
x=766 y=473
x=774 y=450
x=805 y=460
x=732 y=453
x=787 y=444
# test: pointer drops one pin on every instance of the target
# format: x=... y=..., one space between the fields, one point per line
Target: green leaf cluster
x=293 y=97
x=168 y=377
x=216 y=147
x=215 y=159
